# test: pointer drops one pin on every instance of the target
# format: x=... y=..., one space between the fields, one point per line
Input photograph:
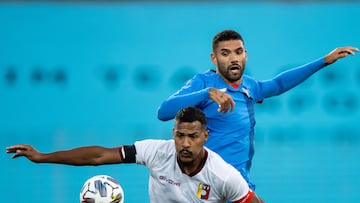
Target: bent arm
x=174 y=103
x=90 y=155
x=191 y=94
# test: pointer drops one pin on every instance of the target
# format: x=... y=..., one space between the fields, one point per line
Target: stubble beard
x=225 y=72
x=186 y=161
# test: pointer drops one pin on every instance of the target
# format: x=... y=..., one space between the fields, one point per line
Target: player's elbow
x=97 y=162
x=162 y=118
x=163 y=115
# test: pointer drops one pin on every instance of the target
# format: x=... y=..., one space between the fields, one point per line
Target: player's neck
x=234 y=84
x=194 y=167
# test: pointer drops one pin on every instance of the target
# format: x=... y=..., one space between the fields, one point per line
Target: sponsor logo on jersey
x=164 y=178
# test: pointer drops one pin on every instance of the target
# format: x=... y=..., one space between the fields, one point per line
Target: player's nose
x=186 y=142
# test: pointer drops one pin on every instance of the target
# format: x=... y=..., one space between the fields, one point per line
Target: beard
x=186 y=158
x=231 y=73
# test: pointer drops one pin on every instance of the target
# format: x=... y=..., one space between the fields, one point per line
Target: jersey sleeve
x=289 y=79
x=247 y=198
x=146 y=151
x=191 y=94
x=236 y=188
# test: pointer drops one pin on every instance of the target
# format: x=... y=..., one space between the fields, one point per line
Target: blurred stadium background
x=90 y=73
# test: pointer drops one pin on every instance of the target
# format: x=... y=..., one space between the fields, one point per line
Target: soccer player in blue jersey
x=227 y=97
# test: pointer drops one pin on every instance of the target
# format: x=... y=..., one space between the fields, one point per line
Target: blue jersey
x=231 y=135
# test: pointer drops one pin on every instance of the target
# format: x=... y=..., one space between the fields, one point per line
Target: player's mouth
x=234 y=69
x=185 y=154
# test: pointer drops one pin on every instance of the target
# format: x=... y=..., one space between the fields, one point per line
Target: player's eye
x=224 y=52
x=240 y=51
x=179 y=135
x=193 y=136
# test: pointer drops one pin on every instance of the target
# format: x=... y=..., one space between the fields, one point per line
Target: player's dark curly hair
x=225 y=35
x=191 y=114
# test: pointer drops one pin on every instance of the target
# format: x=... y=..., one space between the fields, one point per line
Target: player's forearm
x=174 y=103
x=291 y=78
x=78 y=156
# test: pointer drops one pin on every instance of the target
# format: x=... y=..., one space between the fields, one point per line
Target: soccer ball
x=101 y=189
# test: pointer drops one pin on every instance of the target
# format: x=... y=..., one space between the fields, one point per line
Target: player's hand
x=340 y=53
x=24 y=150
x=225 y=101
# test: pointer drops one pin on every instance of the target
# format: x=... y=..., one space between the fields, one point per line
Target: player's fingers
x=16 y=147
x=353 y=49
x=227 y=105
x=223 y=107
x=225 y=110
x=16 y=155
x=348 y=50
x=232 y=105
x=219 y=109
x=11 y=149
x=222 y=103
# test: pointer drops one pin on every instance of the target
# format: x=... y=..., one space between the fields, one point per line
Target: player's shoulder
x=210 y=77
x=155 y=148
x=154 y=153
x=157 y=144
x=218 y=166
x=250 y=83
x=248 y=78
x=208 y=73
x=203 y=79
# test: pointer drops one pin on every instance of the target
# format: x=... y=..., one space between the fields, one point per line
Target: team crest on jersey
x=203 y=191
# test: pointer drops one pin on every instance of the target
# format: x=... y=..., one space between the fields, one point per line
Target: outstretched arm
x=293 y=77
x=91 y=155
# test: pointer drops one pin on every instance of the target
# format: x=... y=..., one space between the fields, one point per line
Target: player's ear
x=206 y=133
x=213 y=58
x=246 y=55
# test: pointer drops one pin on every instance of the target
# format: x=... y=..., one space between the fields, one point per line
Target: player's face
x=189 y=140
x=230 y=59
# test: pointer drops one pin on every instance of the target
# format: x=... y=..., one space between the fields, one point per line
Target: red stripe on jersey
x=247 y=198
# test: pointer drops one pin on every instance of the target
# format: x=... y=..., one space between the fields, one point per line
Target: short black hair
x=191 y=114
x=225 y=35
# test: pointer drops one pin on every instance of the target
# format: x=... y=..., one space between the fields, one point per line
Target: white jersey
x=216 y=181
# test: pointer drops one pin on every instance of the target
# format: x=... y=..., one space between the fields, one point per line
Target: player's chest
x=192 y=189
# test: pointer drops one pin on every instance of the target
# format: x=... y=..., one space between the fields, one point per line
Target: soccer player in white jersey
x=181 y=169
